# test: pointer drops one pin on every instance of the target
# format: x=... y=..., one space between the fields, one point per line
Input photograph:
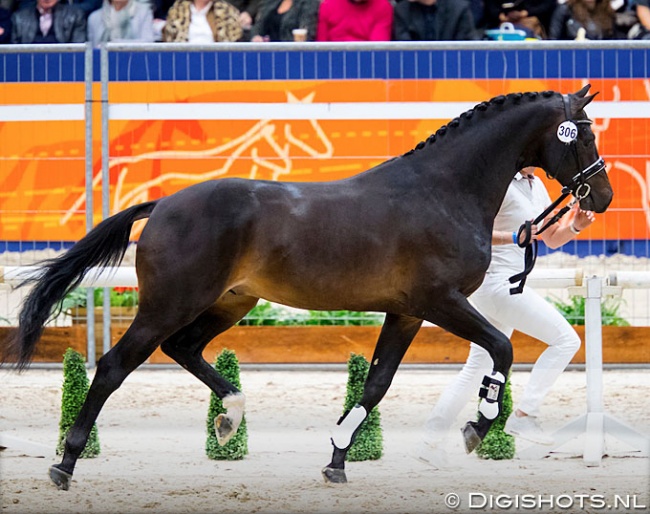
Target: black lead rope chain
x=530 y=256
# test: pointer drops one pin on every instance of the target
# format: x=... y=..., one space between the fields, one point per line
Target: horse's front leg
x=395 y=337
x=459 y=317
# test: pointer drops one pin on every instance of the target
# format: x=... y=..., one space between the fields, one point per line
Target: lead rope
x=530 y=244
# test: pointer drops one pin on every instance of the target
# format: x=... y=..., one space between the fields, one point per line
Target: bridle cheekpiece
x=567 y=133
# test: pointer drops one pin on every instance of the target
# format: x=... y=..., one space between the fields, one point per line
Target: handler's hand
x=582 y=219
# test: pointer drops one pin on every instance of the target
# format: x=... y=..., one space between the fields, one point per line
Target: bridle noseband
x=578 y=187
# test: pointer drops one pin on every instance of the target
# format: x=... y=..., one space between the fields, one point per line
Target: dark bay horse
x=410 y=237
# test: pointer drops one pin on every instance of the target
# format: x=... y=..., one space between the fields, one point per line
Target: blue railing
x=321 y=61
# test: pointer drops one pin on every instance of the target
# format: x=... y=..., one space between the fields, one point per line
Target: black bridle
x=578 y=187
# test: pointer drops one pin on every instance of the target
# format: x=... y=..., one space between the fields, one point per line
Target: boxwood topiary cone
x=227 y=366
x=75 y=389
x=369 y=443
x=497 y=445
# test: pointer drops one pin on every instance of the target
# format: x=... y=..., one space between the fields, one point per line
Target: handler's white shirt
x=525 y=200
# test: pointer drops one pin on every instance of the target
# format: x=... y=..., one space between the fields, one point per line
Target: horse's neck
x=486 y=156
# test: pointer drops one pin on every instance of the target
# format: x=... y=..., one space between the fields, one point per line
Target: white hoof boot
x=491 y=394
x=226 y=424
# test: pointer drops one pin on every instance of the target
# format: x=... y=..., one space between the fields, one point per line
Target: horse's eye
x=588 y=139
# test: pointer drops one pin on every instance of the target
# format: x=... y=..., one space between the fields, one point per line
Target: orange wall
x=42 y=168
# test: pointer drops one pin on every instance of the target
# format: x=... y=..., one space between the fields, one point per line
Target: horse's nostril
x=598 y=205
x=606 y=202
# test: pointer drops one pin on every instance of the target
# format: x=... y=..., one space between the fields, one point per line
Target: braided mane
x=515 y=98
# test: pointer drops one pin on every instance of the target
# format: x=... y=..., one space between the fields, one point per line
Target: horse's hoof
x=60 y=478
x=334 y=476
x=471 y=437
x=223 y=428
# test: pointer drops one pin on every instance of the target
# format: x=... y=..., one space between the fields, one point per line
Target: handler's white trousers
x=528 y=313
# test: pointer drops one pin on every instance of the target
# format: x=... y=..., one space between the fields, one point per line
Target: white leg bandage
x=491 y=394
x=342 y=434
x=234 y=405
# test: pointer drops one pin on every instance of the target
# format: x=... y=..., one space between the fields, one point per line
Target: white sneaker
x=432 y=455
x=527 y=427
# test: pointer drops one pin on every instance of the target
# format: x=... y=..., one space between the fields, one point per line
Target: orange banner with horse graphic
x=42 y=167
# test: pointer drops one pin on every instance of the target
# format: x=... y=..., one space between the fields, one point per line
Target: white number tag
x=567 y=132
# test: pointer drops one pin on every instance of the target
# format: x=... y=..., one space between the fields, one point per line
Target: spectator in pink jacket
x=355 y=20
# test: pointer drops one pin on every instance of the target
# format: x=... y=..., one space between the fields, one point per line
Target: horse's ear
x=581 y=103
x=581 y=100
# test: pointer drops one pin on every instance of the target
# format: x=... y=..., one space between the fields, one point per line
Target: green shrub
x=369 y=443
x=75 y=389
x=346 y=318
x=119 y=296
x=497 y=445
x=266 y=313
x=574 y=311
x=227 y=366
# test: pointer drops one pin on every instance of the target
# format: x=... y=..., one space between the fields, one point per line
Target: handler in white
x=527 y=312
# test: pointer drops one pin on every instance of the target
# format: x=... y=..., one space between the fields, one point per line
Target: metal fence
x=45 y=152
x=164 y=116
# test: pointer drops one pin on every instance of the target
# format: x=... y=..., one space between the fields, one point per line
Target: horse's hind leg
x=459 y=317
x=137 y=344
x=395 y=338
x=186 y=347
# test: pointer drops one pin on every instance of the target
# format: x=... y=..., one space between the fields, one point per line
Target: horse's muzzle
x=597 y=201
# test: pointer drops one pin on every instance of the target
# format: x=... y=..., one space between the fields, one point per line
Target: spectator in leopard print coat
x=202 y=21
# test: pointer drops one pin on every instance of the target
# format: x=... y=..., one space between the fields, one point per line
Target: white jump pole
x=125 y=276
x=555 y=278
x=25 y=446
x=594 y=429
x=595 y=424
x=630 y=279
x=96 y=277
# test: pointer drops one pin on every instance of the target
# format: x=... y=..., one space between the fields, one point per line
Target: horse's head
x=568 y=154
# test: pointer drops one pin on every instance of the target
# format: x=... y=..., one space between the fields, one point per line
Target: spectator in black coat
x=49 y=22
x=5 y=26
x=583 y=19
x=643 y=14
x=520 y=14
x=433 y=20
x=87 y=6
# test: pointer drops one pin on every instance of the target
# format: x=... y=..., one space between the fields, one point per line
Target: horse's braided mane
x=515 y=98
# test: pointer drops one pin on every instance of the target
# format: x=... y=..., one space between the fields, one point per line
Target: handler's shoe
x=527 y=427
x=432 y=455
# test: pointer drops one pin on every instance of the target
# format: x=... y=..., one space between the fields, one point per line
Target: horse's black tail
x=103 y=246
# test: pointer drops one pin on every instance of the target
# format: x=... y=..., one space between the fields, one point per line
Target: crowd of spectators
x=205 y=21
